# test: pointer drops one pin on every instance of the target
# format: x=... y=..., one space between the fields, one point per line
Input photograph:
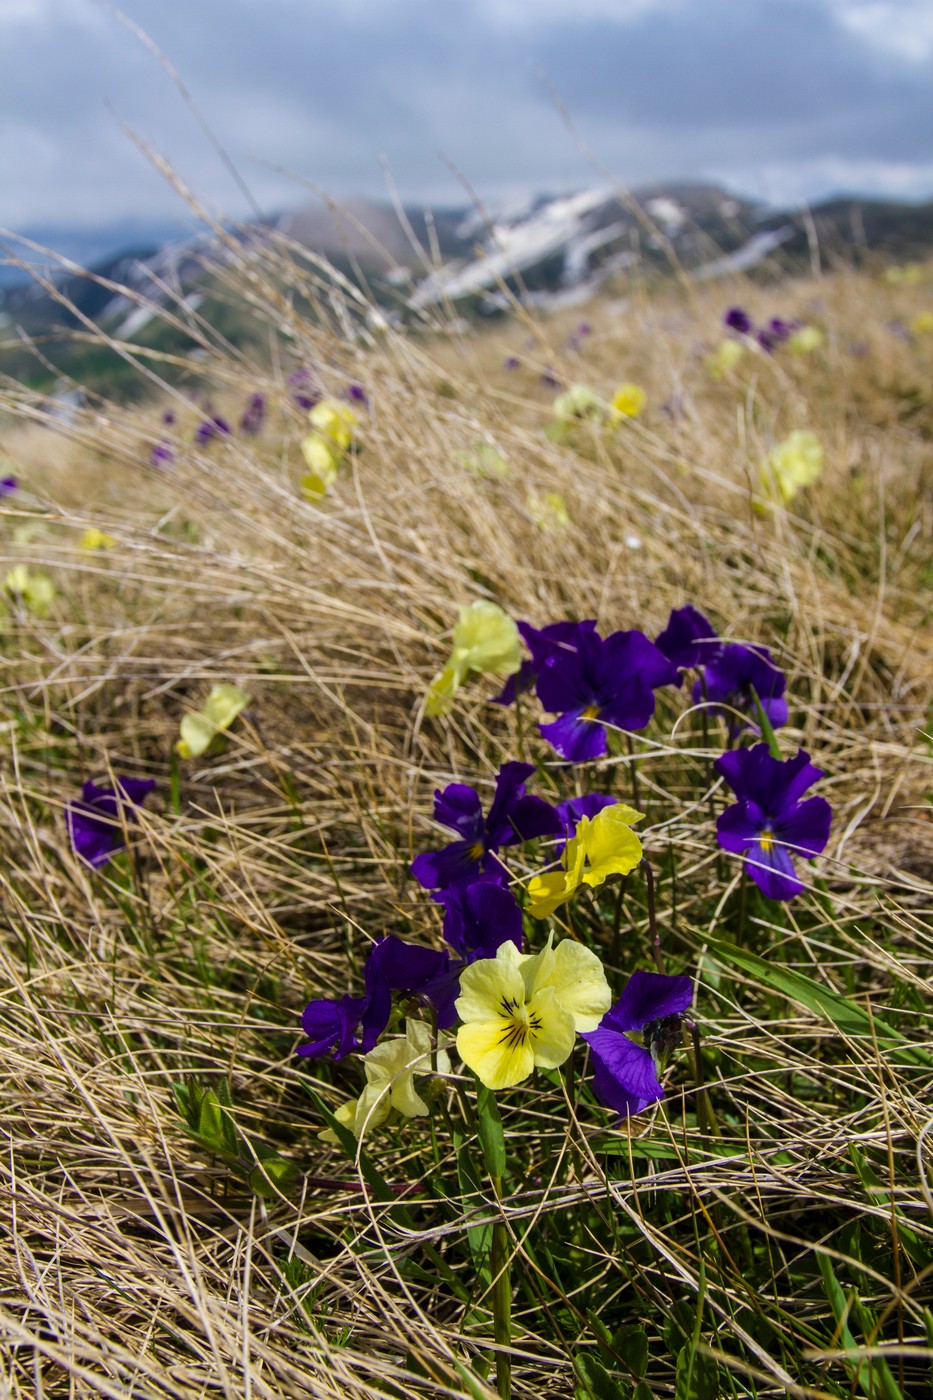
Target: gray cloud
x=748 y=90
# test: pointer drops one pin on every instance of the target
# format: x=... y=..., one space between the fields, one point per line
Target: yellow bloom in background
x=485 y=640
x=548 y=511
x=806 y=340
x=520 y=1010
x=627 y=402
x=200 y=729
x=603 y=845
x=794 y=463
x=907 y=275
x=922 y=324
x=390 y=1072
x=35 y=591
x=724 y=358
x=579 y=401
x=96 y=539
x=323 y=449
x=485 y=460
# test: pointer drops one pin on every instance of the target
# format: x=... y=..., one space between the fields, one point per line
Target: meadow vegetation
x=177 y=1226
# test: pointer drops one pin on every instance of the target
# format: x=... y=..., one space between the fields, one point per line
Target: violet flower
x=254 y=415
x=541 y=642
x=738 y=320
x=592 y=679
x=775 y=333
x=689 y=640
x=511 y=362
x=731 y=678
x=304 y=394
x=162 y=454
x=513 y=816
x=625 y=1073
x=8 y=485
x=769 y=821
x=355 y=393
x=210 y=428
x=95 y=820
x=478 y=919
x=338 y=1027
x=168 y=417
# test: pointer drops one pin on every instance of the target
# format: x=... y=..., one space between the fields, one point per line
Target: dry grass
x=137 y=1266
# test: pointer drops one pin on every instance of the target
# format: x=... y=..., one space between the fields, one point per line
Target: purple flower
x=591 y=679
x=254 y=415
x=574 y=808
x=8 y=485
x=478 y=919
x=162 y=454
x=512 y=817
x=541 y=642
x=304 y=393
x=168 y=417
x=550 y=380
x=338 y=1027
x=511 y=362
x=210 y=428
x=625 y=1074
x=769 y=821
x=775 y=333
x=355 y=393
x=95 y=820
x=730 y=679
x=736 y=319
x=689 y=639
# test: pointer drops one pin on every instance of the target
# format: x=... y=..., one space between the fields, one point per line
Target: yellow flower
x=486 y=640
x=485 y=460
x=923 y=323
x=390 y=1071
x=627 y=402
x=795 y=462
x=520 y=1010
x=200 y=729
x=602 y=846
x=579 y=401
x=549 y=511
x=806 y=340
x=334 y=421
x=96 y=539
x=907 y=276
x=35 y=591
x=724 y=358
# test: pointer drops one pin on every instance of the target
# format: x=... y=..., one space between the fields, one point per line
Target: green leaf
x=872 y=1374
x=596 y=1379
x=215 y=1127
x=273 y=1176
x=846 y=1015
x=479 y=1237
x=697 y=1375
x=631 y=1343
x=764 y=724
x=489 y=1126
x=643 y=1391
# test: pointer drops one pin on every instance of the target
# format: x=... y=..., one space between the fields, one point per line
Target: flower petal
x=486 y=985
x=576 y=739
x=624 y=1074
x=579 y=982
x=649 y=996
x=486 y=1050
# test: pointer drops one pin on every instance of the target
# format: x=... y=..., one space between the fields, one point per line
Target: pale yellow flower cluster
x=485 y=640
x=200 y=728
x=325 y=447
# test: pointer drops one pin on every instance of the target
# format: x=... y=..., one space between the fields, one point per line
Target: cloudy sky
x=783 y=99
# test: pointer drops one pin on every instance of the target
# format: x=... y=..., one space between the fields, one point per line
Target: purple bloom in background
x=574 y=808
x=355 y=393
x=738 y=320
x=625 y=1074
x=775 y=333
x=541 y=642
x=730 y=679
x=254 y=415
x=338 y=1027
x=511 y=362
x=304 y=393
x=512 y=817
x=689 y=639
x=769 y=821
x=168 y=417
x=611 y=680
x=94 y=819
x=550 y=380
x=162 y=454
x=8 y=485
x=212 y=427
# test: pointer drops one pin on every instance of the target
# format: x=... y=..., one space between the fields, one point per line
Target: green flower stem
x=652 y=916
x=636 y=790
x=500 y=1267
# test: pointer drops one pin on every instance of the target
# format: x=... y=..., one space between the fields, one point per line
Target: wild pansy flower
x=511 y=362
x=390 y=1073
x=628 y=401
x=573 y=809
x=775 y=333
x=332 y=425
x=904 y=275
x=601 y=846
x=513 y=817
x=304 y=394
x=8 y=484
x=96 y=539
x=689 y=639
x=95 y=820
x=168 y=417
x=730 y=679
x=575 y=405
x=724 y=358
x=355 y=393
x=210 y=428
x=792 y=464
x=769 y=822
x=540 y=641
x=33 y=589
x=737 y=319
x=591 y=682
x=520 y=1010
x=627 y=1070
x=162 y=454
x=485 y=640
x=254 y=415
x=202 y=727
x=806 y=340
x=548 y=511
x=485 y=460
x=478 y=919
x=339 y=1027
